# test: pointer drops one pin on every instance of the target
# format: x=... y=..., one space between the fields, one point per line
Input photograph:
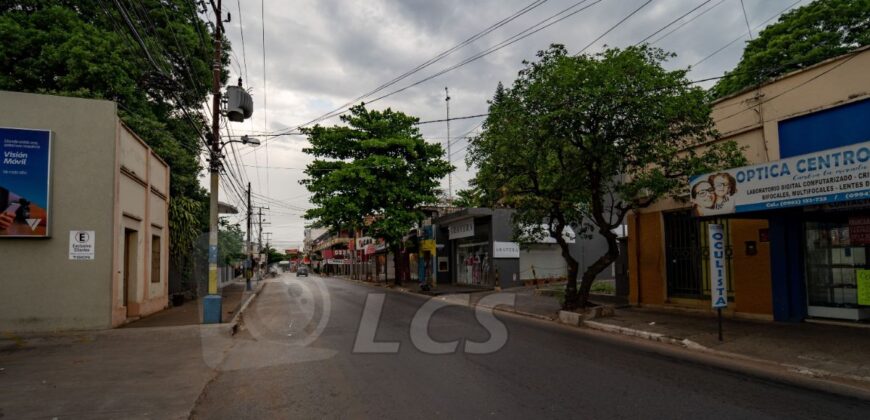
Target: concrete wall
x=42 y=289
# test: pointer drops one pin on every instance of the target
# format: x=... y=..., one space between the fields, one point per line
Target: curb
x=237 y=317
x=813 y=373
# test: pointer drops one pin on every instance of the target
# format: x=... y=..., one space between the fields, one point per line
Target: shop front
x=817 y=207
x=794 y=219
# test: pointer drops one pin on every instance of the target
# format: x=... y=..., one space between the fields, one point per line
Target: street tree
x=373 y=172
x=581 y=141
x=800 y=38
x=231 y=242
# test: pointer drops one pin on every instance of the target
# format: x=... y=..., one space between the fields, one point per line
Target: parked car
x=302 y=271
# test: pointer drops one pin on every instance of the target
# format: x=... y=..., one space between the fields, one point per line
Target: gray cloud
x=321 y=54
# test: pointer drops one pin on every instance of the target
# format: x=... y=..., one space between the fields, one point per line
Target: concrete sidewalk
x=111 y=374
x=190 y=313
x=814 y=349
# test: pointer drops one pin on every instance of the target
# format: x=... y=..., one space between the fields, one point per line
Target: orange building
x=793 y=250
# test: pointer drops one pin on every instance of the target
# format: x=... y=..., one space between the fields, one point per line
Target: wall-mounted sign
x=81 y=245
x=363 y=241
x=25 y=176
x=718 y=286
x=859 y=230
x=463 y=229
x=505 y=250
x=829 y=176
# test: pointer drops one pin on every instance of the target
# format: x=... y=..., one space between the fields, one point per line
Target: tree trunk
x=600 y=264
x=396 y=272
x=571 y=297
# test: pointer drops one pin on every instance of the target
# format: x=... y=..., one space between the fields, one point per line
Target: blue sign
x=25 y=179
x=828 y=176
x=718 y=284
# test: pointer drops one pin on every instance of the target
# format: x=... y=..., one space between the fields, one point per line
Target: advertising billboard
x=828 y=176
x=25 y=177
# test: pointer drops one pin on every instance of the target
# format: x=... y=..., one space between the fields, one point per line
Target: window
x=155 y=259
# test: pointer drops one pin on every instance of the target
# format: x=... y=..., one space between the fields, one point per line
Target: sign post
x=718 y=289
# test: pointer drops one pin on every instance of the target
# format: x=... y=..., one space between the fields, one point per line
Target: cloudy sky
x=321 y=54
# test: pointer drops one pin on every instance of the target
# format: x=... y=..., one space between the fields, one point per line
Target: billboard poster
x=819 y=178
x=25 y=175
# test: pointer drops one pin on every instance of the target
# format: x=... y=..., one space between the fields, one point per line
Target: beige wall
x=143 y=188
x=42 y=289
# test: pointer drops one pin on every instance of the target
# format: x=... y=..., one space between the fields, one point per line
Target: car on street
x=302 y=271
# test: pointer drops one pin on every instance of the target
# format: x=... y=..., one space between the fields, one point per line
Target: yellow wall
x=649 y=257
x=751 y=277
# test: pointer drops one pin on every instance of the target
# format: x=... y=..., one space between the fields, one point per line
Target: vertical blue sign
x=718 y=284
x=25 y=174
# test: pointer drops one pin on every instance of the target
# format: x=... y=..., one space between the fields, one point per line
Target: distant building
x=91 y=250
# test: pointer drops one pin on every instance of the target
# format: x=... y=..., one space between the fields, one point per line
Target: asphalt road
x=295 y=358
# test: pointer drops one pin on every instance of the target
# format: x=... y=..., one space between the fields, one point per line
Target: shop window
x=836 y=254
x=155 y=259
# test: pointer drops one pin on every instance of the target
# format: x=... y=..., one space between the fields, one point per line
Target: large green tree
x=800 y=38
x=86 y=48
x=377 y=167
x=582 y=141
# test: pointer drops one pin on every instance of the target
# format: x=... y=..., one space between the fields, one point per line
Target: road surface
x=295 y=359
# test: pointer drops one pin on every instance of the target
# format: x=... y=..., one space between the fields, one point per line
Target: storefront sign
x=81 y=245
x=863 y=278
x=718 y=292
x=25 y=169
x=363 y=241
x=505 y=250
x=463 y=229
x=829 y=176
x=428 y=245
x=370 y=249
x=859 y=230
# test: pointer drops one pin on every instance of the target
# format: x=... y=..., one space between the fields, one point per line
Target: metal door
x=683 y=254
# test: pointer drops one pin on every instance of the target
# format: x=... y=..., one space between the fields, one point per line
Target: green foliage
x=231 y=242
x=273 y=256
x=581 y=141
x=84 y=48
x=468 y=198
x=801 y=38
x=185 y=219
x=376 y=166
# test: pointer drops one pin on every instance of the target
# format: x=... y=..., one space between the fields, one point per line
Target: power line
x=746 y=18
x=432 y=60
x=242 y=34
x=615 y=26
x=673 y=22
x=744 y=34
x=543 y=24
x=680 y=26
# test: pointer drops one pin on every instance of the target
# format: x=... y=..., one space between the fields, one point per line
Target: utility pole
x=449 y=175
x=212 y=303
x=250 y=269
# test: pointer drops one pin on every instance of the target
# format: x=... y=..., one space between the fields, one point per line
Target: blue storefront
x=820 y=252
x=816 y=199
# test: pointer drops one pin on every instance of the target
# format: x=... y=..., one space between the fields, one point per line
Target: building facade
x=795 y=220
x=102 y=256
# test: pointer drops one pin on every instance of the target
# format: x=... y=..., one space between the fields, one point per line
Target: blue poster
x=25 y=174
